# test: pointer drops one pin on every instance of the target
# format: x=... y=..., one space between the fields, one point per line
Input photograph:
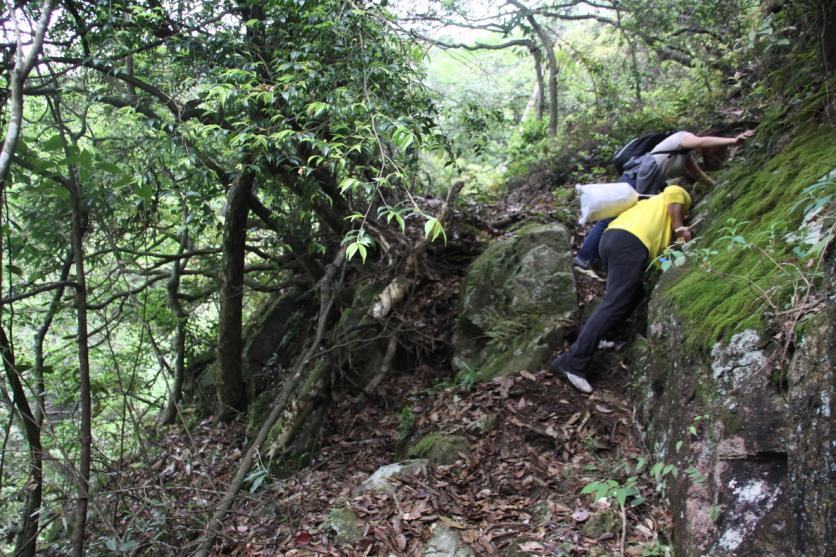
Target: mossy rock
x=344 y=526
x=600 y=523
x=292 y=439
x=516 y=299
x=439 y=448
x=764 y=196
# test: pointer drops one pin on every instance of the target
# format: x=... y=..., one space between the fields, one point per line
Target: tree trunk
x=169 y=415
x=23 y=65
x=548 y=46
x=85 y=434
x=29 y=532
x=541 y=97
x=231 y=391
x=28 y=536
x=27 y=540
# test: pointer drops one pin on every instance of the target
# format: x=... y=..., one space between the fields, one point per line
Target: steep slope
x=737 y=371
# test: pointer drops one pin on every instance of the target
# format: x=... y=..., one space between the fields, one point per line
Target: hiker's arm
x=678 y=227
x=695 y=172
x=691 y=141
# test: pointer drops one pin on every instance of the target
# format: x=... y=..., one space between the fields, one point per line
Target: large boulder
x=516 y=299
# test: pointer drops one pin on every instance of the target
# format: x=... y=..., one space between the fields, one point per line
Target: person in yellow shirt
x=634 y=239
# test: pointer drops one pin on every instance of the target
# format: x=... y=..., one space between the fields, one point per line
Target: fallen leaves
x=519 y=486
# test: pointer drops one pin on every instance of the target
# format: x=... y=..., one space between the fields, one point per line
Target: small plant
x=501 y=328
x=406 y=421
x=657 y=549
x=257 y=476
x=466 y=378
x=619 y=493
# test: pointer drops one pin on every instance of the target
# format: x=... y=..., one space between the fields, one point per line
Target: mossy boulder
x=602 y=522
x=354 y=326
x=439 y=448
x=344 y=526
x=753 y=431
x=292 y=439
x=516 y=299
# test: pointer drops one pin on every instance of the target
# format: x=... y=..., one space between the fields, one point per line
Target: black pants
x=625 y=258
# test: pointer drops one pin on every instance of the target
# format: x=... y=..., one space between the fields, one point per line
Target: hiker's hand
x=740 y=138
x=683 y=233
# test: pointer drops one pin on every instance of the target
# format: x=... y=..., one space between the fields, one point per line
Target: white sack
x=602 y=201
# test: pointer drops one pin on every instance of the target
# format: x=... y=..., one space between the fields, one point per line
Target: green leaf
x=316 y=108
x=54 y=143
x=403 y=138
x=590 y=487
x=144 y=191
x=433 y=229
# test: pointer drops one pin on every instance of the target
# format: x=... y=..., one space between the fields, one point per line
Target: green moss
x=439 y=448
x=762 y=195
x=344 y=525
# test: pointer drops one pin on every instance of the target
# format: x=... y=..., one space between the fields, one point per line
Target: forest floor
x=534 y=444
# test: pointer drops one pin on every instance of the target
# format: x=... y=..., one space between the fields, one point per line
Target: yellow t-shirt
x=649 y=221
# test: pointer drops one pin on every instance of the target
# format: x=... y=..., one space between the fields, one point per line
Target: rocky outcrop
x=736 y=374
x=517 y=298
x=752 y=444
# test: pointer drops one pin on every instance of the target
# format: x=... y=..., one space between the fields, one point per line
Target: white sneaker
x=590 y=273
x=577 y=380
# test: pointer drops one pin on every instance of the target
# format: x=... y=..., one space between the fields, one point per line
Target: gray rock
x=760 y=462
x=516 y=299
x=380 y=480
x=446 y=543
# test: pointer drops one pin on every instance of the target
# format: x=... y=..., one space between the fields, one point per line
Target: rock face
x=753 y=448
x=516 y=299
x=737 y=372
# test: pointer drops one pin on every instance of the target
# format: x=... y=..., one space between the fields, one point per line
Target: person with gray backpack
x=647 y=162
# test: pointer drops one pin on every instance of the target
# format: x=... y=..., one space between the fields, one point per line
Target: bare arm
x=677 y=214
x=694 y=171
x=691 y=141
